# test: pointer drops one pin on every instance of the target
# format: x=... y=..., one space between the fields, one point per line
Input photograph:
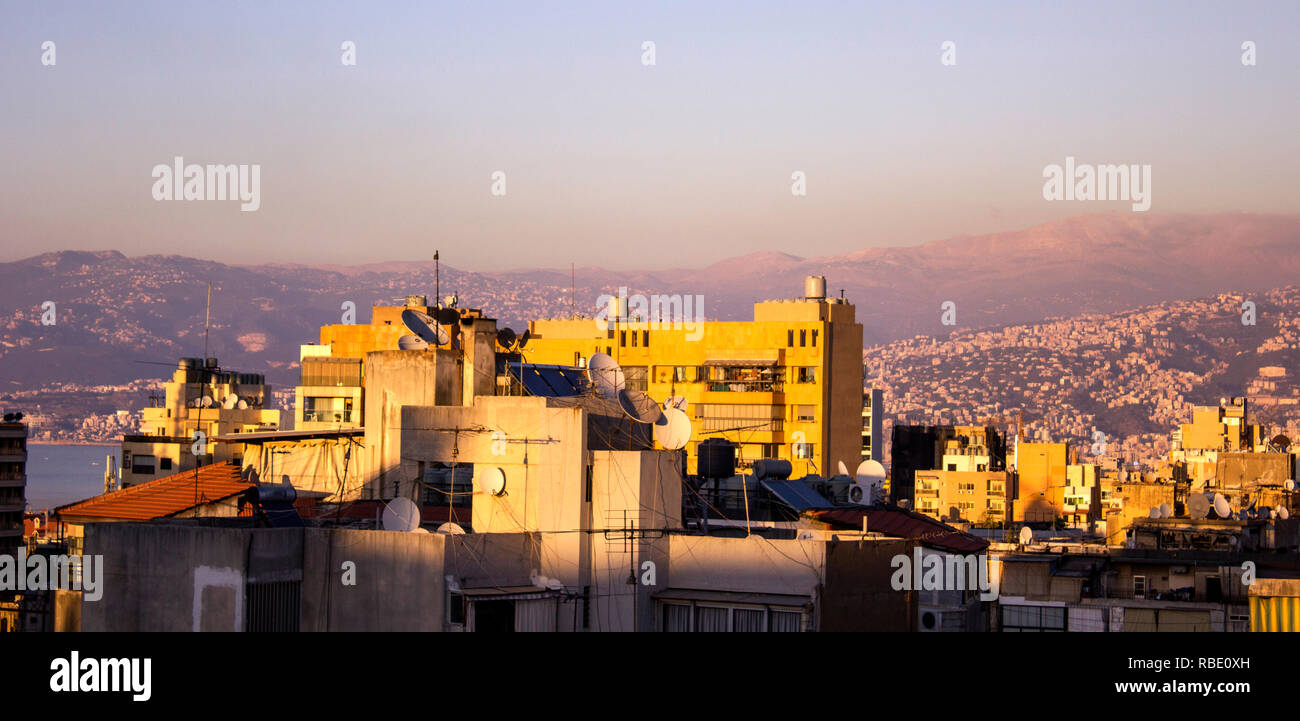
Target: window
x=636 y=378
x=622 y=339
x=806 y=374
x=456 y=608
x=814 y=338
x=142 y=464
x=802 y=450
x=686 y=616
x=645 y=338
x=326 y=409
x=1139 y=587
x=789 y=339
x=805 y=414
x=952 y=466
x=803 y=338
x=677 y=617
x=165 y=464
x=633 y=339
x=1034 y=619
x=444 y=482
x=730 y=416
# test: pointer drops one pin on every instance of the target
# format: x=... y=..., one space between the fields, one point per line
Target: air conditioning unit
x=863 y=494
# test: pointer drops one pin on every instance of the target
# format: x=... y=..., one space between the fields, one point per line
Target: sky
x=611 y=162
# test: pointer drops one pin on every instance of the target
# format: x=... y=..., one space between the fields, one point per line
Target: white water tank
x=814 y=287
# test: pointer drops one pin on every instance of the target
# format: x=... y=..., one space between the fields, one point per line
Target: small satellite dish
x=673 y=430
x=425 y=327
x=1281 y=441
x=1221 y=508
x=1288 y=484
x=411 y=342
x=206 y=402
x=1026 y=536
x=523 y=339
x=605 y=374
x=1198 y=506
x=1155 y=511
x=450 y=528
x=1165 y=510
x=843 y=469
x=678 y=402
x=638 y=406
x=494 y=481
x=1283 y=513
x=1272 y=513
x=506 y=338
x=401 y=515
x=242 y=404
x=230 y=402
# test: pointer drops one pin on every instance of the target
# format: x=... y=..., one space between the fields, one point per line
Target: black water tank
x=716 y=458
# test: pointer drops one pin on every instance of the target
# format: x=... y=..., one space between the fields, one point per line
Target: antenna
x=573 y=289
x=207 y=318
x=437 y=280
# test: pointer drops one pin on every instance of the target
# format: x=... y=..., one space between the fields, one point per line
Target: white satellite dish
x=493 y=481
x=843 y=469
x=1155 y=511
x=1026 y=536
x=401 y=515
x=230 y=402
x=1272 y=513
x=638 y=406
x=206 y=402
x=869 y=482
x=1221 y=507
x=450 y=528
x=411 y=342
x=1283 y=513
x=425 y=327
x=605 y=374
x=242 y=404
x=1288 y=484
x=673 y=430
x=1198 y=506
x=678 y=402
x=1165 y=510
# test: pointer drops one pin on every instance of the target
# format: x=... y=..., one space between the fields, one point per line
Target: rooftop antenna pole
x=573 y=290
x=437 y=289
x=207 y=318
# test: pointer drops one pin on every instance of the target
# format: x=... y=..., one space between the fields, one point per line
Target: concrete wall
x=395 y=379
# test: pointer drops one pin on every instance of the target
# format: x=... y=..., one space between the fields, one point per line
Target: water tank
x=814 y=287
x=772 y=468
x=716 y=458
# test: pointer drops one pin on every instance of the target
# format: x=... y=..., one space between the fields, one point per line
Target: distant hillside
x=114 y=310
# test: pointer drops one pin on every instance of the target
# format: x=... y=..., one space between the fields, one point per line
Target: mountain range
x=116 y=315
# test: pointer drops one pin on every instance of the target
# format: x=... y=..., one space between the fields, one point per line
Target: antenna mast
x=207 y=318
x=437 y=290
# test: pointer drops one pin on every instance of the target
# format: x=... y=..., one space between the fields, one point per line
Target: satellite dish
x=843 y=469
x=494 y=481
x=411 y=342
x=450 y=528
x=673 y=430
x=605 y=374
x=871 y=472
x=1026 y=536
x=425 y=327
x=242 y=404
x=206 y=402
x=1283 y=513
x=678 y=402
x=1198 y=506
x=1165 y=510
x=230 y=402
x=401 y=515
x=1221 y=508
x=638 y=406
x=1288 y=484
x=523 y=339
x=506 y=338
x=1272 y=513
x=1282 y=441
x=1155 y=511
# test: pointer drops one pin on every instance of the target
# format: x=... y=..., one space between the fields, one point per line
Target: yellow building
x=786 y=385
x=200 y=397
x=1040 y=467
x=981 y=497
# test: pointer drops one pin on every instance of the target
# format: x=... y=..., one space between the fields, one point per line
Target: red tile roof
x=902 y=523
x=162 y=496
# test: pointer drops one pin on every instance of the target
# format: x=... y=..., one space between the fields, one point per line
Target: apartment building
x=786 y=385
x=13 y=481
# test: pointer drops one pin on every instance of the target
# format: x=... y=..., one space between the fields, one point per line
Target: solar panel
x=796 y=494
x=550 y=380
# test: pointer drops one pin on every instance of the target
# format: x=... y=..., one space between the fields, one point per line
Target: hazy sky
x=609 y=162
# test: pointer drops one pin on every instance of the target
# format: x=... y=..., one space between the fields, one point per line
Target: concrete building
x=1040 y=468
x=13 y=481
x=977 y=449
x=873 y=421
x=200 y=397
x=983 y=498
x=786 y=385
